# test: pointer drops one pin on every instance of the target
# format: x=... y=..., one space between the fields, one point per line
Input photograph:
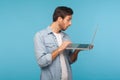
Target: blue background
x=21 y=19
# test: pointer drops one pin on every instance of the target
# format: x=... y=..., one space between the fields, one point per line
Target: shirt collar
x=49 y=31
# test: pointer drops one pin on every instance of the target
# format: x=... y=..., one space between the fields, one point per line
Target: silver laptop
x=83 y=46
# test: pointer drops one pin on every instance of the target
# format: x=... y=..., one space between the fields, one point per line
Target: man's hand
x=64 y=45
x=91 y=46
x=60 y=49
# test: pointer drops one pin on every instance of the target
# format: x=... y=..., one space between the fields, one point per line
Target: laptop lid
x=83 y=46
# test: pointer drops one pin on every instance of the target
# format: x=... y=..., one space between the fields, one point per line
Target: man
x=50 y=47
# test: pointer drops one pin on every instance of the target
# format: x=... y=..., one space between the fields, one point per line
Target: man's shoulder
x=41 y=32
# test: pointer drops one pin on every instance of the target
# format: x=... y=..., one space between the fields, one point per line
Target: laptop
x=79 y=46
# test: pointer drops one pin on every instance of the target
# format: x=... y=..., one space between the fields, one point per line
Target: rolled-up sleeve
x=43 y=57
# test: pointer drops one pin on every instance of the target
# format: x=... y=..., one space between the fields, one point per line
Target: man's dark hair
x=62 y=11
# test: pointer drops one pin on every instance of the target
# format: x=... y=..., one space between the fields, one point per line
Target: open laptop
x=83 y=46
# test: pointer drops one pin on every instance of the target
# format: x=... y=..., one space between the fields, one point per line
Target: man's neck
x=55 y=27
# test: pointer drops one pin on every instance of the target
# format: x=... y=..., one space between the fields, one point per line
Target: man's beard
x=61 y=27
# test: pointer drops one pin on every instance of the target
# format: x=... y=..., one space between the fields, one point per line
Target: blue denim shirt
x=45 y=43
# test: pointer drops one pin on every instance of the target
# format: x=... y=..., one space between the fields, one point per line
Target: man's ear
x=60 y=19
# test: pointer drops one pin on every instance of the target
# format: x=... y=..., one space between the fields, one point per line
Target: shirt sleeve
x=43 y=57
x=69 y=53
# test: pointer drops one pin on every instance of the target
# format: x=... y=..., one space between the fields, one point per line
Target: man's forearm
x=55 y=53
x=60 y=49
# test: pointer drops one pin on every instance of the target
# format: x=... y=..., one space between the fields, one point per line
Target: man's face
x=65 y=23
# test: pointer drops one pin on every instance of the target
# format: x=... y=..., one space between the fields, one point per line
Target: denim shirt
x=45 y=43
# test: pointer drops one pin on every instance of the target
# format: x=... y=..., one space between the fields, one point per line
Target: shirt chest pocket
x=50 y=47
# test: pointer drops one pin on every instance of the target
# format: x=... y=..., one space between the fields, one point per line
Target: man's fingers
x=91 y=46
x=65 y=44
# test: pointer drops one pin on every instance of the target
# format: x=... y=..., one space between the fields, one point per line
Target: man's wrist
x=59 y=50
